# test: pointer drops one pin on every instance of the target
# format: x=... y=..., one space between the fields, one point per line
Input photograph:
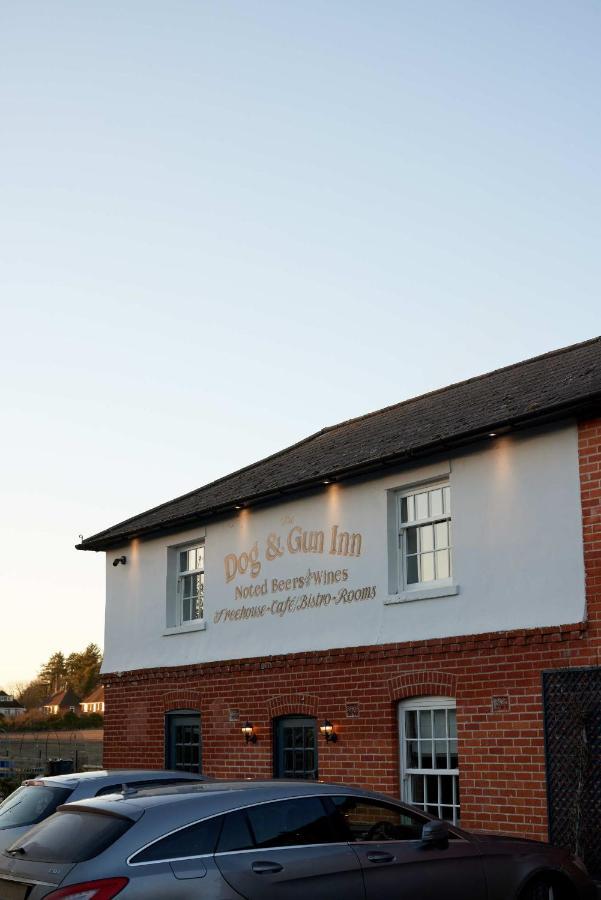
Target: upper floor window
x=425 y=536
x=190 y=583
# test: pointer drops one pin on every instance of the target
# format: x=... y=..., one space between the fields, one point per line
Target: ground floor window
x=428 y=751
x=183 y=741
x=295 y=747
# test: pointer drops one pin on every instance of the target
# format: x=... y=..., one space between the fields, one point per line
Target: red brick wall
x=590 y=485
x=502 y=766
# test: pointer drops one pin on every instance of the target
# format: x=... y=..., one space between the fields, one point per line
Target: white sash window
x=429 y=760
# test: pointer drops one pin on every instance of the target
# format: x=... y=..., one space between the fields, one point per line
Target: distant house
x=61 y=702
x=94 y=702
x=9 y=707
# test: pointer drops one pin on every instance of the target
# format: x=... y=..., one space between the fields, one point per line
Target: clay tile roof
x=561 y=383
x=95 y=696
x=62 y=699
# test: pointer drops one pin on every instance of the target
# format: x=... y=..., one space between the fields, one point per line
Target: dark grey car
x=281 y=840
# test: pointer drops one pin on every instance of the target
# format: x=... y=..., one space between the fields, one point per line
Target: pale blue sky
x=225 y=225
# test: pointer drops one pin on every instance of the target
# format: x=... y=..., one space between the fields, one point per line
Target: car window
x=288 y=823
x=195 y=840
x=371 y=820
x=31 y=803
x=235 y=834
x=70 y=837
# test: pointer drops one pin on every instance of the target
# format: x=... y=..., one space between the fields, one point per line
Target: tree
x=32 y=695
x=54 y=672
x=83 y=670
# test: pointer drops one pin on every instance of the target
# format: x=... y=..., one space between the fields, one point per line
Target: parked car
x=285 y=840
x=38 y=798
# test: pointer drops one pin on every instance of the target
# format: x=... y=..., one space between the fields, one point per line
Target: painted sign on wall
x=300 y=590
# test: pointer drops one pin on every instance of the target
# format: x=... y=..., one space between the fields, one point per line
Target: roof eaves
x=105 y=541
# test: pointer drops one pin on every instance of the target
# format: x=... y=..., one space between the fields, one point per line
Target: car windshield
x=70 y=837
x=30 y=804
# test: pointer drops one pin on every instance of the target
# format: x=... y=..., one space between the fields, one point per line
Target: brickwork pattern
x=501 y=748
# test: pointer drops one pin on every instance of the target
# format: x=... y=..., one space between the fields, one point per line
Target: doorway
x=183 y=741
x=295 y=750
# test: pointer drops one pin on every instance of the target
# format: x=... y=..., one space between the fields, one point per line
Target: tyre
x=545 y=887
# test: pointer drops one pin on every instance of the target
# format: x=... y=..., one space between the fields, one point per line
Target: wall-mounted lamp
x=120 y=559
x=492 y=433
x=327 y=729
x=326 y=481
x=249 y=735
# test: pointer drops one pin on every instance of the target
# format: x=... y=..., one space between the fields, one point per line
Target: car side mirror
x=436 y=835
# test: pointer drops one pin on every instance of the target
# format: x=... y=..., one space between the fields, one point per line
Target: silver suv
x=286 y=840
x=38 y=798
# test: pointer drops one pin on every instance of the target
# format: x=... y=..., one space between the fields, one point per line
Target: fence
x=572 y=699
x=27 y=753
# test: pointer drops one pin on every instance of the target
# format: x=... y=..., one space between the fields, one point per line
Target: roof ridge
x=238 y=494
x=219 y=480
x=454 y=384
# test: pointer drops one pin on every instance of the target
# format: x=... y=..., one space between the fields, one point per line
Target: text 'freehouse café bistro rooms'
x=297 y=542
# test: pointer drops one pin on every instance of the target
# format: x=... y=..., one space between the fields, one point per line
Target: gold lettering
x=355 y=545
x=344 y=544
x=312 y=541
x=231 y=566
x=294 y=543
x=333 y=544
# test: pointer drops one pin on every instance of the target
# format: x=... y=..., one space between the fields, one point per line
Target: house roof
x=62 y=699
x=8 y=702
x=95 y=696
x=561 y=383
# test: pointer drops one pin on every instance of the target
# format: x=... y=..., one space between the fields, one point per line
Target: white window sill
x=448 y=590
x=184 y=629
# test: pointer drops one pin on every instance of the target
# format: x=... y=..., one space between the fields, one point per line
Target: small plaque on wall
x=500 y=703
x=352 y=710
x=234 y=715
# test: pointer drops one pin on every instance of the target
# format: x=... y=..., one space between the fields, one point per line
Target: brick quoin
x=501 y=751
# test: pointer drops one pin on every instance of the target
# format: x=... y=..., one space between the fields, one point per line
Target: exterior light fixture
x=326 y=481
x=237 y=507
x=249 y=736
x=327 y=729
x=492 y=433
x=120 y=559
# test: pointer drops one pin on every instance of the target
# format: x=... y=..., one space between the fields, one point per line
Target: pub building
x=409 y=601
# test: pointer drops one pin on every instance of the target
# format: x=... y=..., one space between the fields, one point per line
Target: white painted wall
x=518 y=563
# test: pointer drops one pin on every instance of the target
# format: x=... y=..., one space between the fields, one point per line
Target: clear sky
x=224 y=225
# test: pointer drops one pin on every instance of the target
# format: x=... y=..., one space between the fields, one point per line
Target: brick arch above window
x=424 y=683
x=292 y=704
x=187 y=699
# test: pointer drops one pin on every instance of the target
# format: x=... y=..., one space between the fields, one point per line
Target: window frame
x=222 y=814
x=388 y=805
x=427 y=703
x=180 y=574
x=420 y=587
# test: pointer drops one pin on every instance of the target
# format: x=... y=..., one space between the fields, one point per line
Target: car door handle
x=264 y=868
x=380 y=857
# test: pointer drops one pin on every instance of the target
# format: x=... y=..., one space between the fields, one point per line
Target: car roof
x=122 y=776
x=214 y=796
